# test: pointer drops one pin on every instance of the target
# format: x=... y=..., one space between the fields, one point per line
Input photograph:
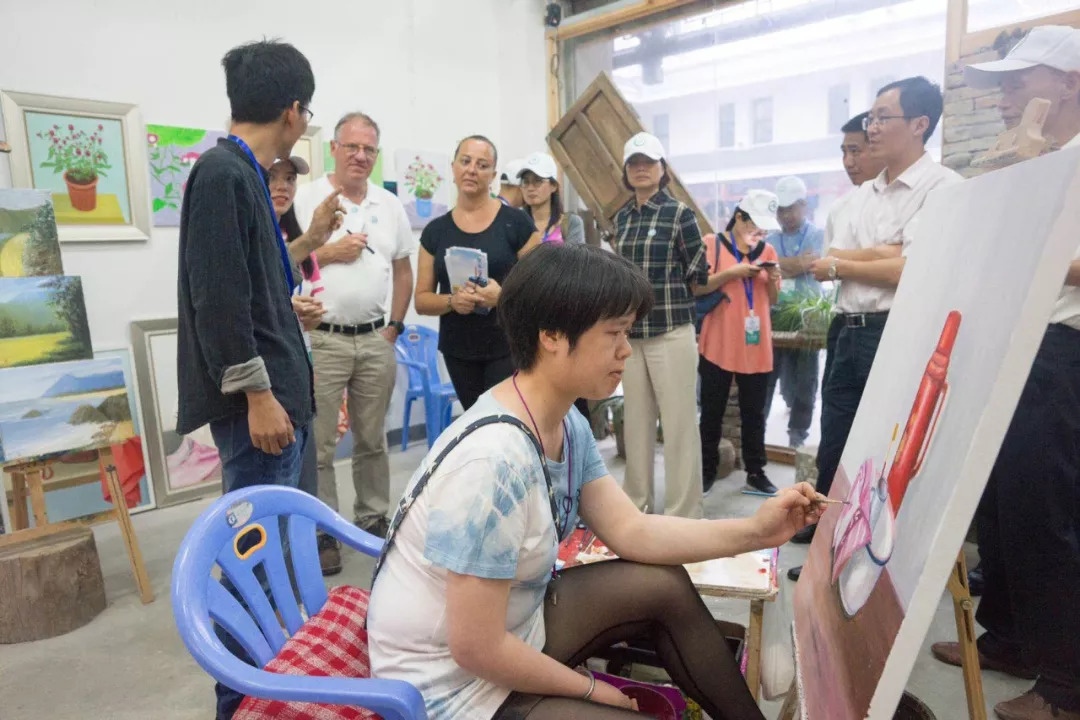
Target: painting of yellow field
x=42 y=320
x=49 y=409
x=29 y=245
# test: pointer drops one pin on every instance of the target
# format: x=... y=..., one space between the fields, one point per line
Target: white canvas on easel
x=989 y=259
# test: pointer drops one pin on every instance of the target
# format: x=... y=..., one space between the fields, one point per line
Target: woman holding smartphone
x=736 y=336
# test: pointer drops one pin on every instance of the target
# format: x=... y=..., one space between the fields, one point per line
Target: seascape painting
x=57 y=408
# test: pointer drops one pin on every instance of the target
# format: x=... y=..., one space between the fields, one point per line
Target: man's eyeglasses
x=352 y=149
x=870 y=120
x=307 y=111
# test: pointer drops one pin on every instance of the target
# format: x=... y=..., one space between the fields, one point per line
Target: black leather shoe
x=794 y=573
x=804 y=536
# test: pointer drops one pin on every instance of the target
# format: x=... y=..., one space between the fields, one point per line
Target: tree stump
x=52 y=585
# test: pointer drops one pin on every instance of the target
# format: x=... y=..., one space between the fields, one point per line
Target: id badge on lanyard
x=752 y=323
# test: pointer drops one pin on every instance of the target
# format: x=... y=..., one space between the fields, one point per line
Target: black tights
x=592 y=607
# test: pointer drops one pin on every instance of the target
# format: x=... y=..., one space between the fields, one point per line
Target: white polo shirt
x=1067 y=307
x=356 y=292
x=888 y=216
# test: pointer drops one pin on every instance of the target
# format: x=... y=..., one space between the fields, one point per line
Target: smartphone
x=768 y=264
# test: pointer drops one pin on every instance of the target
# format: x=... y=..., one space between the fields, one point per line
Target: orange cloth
x=723 y=333
x=128 y=458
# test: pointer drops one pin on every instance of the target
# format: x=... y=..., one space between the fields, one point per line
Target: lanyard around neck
x=286 y=263
x=747 y=283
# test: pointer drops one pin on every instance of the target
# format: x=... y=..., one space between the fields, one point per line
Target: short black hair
x=665 y=179
x=918 y=97
x=856 y=124
x=480 y=138
x=567 y=289
x=739 y=214
x=263 y=79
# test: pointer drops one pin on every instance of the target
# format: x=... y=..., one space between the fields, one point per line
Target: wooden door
x=588 y=143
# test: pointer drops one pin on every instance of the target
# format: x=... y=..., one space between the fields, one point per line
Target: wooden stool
x=52 y=585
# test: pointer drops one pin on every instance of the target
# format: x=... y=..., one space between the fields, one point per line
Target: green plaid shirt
x=663 y=239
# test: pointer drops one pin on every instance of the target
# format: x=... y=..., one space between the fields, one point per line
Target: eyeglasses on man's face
x=352 y=149
x=306 y=112
x=871 y=120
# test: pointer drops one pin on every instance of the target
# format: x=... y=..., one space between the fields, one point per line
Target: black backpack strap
x=410 y=497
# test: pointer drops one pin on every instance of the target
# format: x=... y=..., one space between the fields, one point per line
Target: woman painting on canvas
x=474 y=349
x=465 y=603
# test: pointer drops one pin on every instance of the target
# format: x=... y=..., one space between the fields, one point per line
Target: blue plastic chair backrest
x=421 y=344
x=238 y=533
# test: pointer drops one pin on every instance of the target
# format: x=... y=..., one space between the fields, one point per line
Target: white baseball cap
x=540 y=164
x=643 y=144
x=511 y=173
x=761 y=205
x=1056 y=46
x=790 y=190
x=299 y=163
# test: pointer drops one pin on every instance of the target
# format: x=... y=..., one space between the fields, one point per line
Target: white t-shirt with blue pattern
x=485 y=512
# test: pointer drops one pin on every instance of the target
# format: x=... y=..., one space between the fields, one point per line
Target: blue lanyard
x=285 y=262
x=747 y=283
x=798 y=248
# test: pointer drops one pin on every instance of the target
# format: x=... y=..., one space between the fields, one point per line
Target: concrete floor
x=129 y=662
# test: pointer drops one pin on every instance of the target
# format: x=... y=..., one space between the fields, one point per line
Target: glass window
x=773 y=71
x=987 y=14
x=839 y=107
x=763 y=121
x=661 y=131
x=727 y=125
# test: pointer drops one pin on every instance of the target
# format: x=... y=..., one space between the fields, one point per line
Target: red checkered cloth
x=333 y=643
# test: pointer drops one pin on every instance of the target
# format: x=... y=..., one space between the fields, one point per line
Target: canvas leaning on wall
x=29 y=244
x=945 y=382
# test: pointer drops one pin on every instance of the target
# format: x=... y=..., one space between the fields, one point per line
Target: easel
x=27 y=481
x=964 y=611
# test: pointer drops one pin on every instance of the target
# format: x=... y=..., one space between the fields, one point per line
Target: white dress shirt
x=1067 y=307
x=887 y=214
x=356 y=293
x=838 y=225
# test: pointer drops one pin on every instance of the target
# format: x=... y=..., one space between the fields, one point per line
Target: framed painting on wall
x=182 y=467
x=423 y=185
x=172 y=151
x=89 y=155
x=309 y=147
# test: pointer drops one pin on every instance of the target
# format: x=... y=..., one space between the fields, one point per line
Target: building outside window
x=762 y=121
x=726 y=125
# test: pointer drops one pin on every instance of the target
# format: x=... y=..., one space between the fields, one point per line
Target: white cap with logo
x=643 y=144
x=540 y=164
x=299 y=163
x=511 y=173
x=1056 y=46
x=761 y=206
x=790 y=190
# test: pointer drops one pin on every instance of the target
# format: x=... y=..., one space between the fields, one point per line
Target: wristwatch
x=832 y=269
x=397 y=325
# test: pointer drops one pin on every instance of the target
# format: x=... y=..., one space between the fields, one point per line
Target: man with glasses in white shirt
x=365 y=262
x=867 y=256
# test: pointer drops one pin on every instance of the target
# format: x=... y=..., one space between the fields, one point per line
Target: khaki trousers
x=660 y=381
x=367 y=367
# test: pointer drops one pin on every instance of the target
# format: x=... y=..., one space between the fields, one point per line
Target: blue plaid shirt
x=662 y=238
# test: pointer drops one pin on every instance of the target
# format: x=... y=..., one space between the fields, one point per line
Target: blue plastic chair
x=199 y=600
x=418 y=350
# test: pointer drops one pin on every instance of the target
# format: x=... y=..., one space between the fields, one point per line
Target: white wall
x=429 y=71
